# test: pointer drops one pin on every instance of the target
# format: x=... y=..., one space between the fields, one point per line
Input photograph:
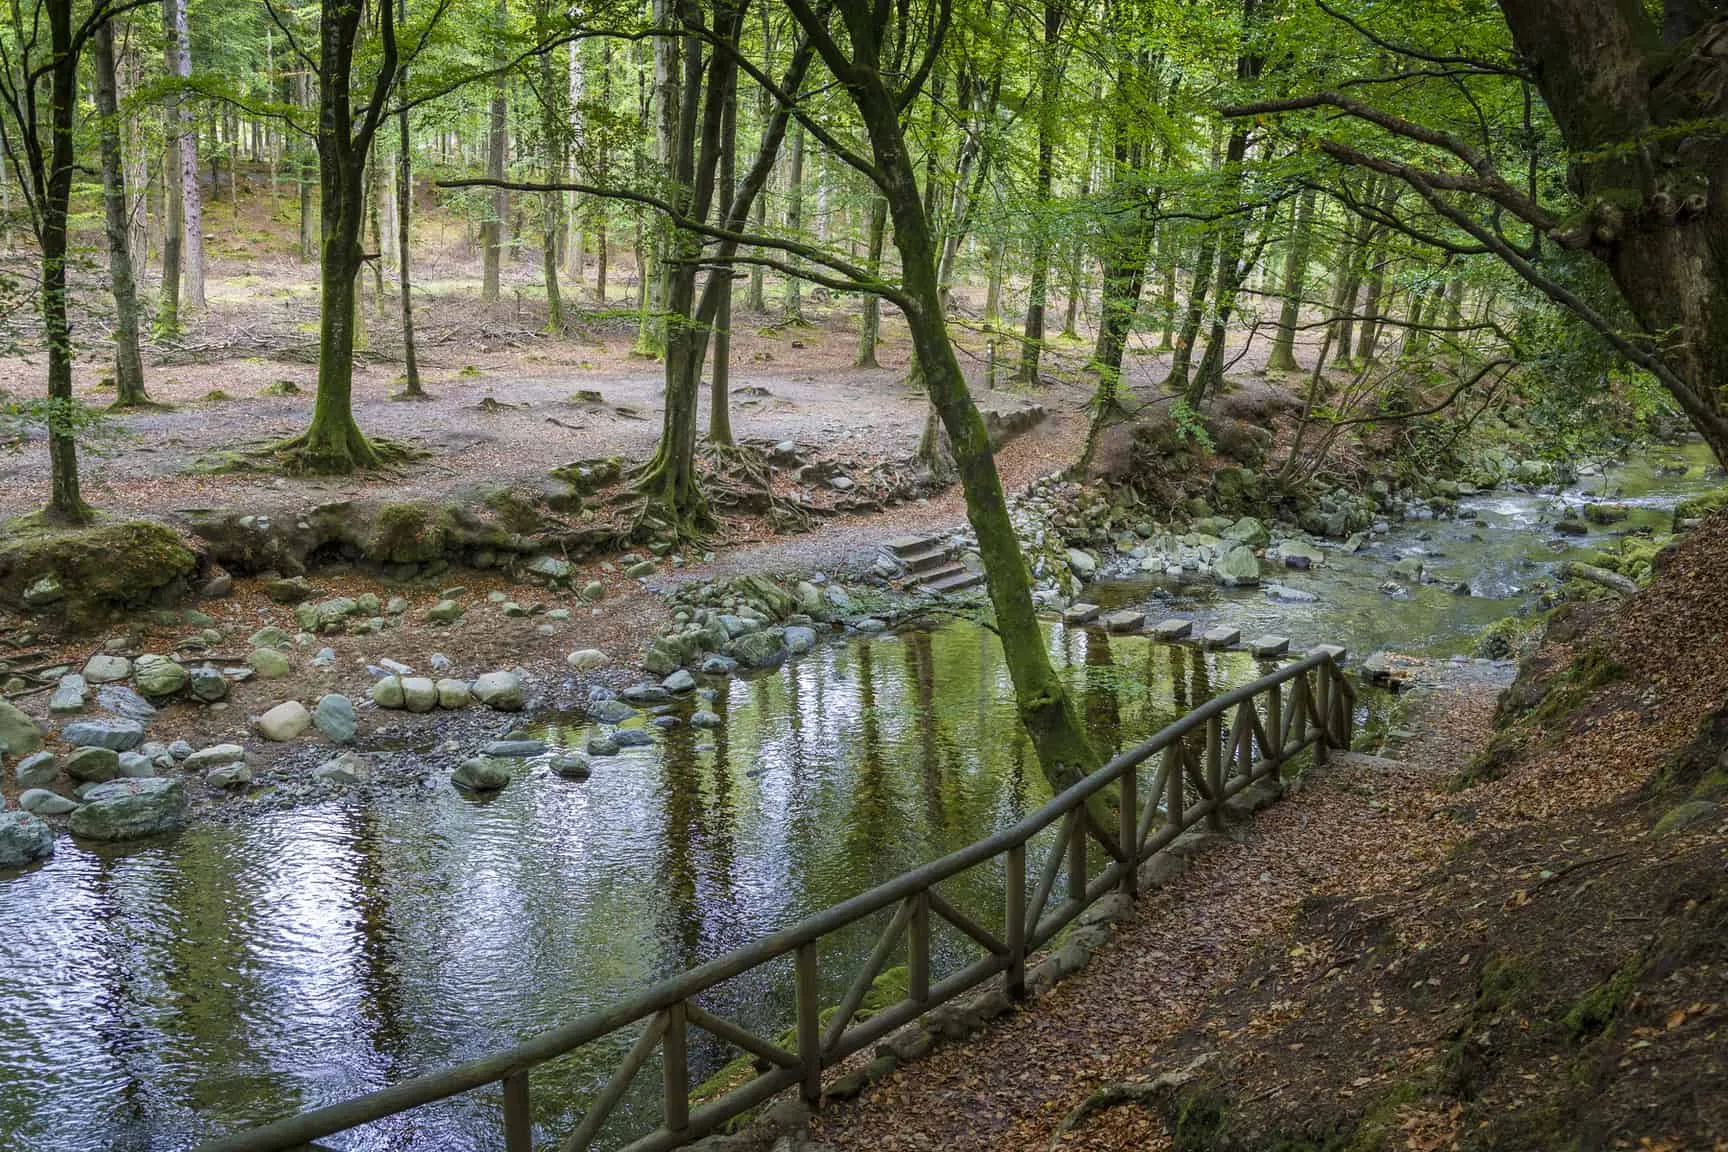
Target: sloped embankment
x=1560 y=982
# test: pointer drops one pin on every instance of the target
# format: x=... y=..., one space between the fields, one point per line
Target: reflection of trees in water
x=921 y=671
x=1179 y=676
x=698 y=851
x=1103 y=707
x=872 y=824
x=382 y=1006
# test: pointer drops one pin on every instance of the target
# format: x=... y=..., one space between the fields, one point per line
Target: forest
x=731 y=456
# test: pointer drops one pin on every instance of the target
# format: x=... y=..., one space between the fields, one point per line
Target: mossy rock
x=408 y=534
x=1700 y=506
x=101 y=570
x=1598 y=1009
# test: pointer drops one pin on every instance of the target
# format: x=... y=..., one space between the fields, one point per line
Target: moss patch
x=100 y=570
x=408 y=534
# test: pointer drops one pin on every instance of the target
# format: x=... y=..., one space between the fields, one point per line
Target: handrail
x=1329 y=711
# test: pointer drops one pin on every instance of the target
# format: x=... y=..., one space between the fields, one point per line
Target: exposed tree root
x=1154 y=1096
x=306 y=455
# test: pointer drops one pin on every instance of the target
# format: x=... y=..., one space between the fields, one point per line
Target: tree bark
x=1283 y=355
x=192 y=253
x=128 y=365
x=173 y=199
x=411 y=387
x=793 y=310
x=1038 y=290
x=497 y=143
x=870 y=325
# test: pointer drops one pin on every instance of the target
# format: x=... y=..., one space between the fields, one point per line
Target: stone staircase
x=929 y=563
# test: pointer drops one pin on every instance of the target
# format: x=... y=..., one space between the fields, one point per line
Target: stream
x=155 y=994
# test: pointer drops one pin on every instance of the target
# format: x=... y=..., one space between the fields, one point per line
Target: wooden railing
x=1236 y=750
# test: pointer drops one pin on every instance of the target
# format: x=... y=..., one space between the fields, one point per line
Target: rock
x=840 y=483
x=1300 y=556
x=1124 y=620
x=217 y=587
x=1687 y=815
x=214 y=757
x=602 y=746
x=587 y=659
x=514 y=749
x=454 y=694
x=646 y=694
x=661 y=659
x=632 y=738
x=128 y=809
x=36 y=770
x=592 y=591
x=679 y=681
x=395 y=667
x=799 y=639
x=334 y=716
x=208 y=684
x=1237 y=567
x=1269 y=645
x=705 y=719
x=120 y=734
x=1248 y=531
x=1290 y=595
x=45 y=803
x=1409 y=568
x=1572 y=528
x=610 y=712
x=180 y=749
x=120 y=700
x=765 y=649
x=572 y=766
x=395 y=606
x=499 y=690
x=419 y=693
x=236 y=775
x=481 y=774
x=387 y=693
x=1083 y=564
x=640 y=569
x=284 y=722
x=93 y=764
x=19 y=735
x=809 y=598
x=104 y=668
x=269 y=664
x=869 y=625
x=157 y=677
x=43 y=592
x=292 y=590
x=1080 y=613
x=68 y=695
x=549 y=568
x=1222 y=636
x=348 y=768
x=24 y=837
x=136 y=766
x=444 y=612
x=717 y=665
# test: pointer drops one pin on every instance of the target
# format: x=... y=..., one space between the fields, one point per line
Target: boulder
x=1248 y=531
x=549 y=568
x=1082 y=563
x=270 y=637
x=43 y=592
x=348 y=768
x=387 y=693
x=208 y=684
x=104 y=668
x=587 y=659
x=334 y=716
x=453 y=694
x=19 y=735
x=1409 y=568
x=45 y=803
x=157 y=677
x=717 y=665
x=662 y=658
x=214 y=757
x=572 y=766
x=136 y=765
x=68 y=695
x=610 y=712
x=236 y=775
x=284 y=722
x=799 y=639
x=93 y=764
x=444 y=612
x=291 y=590
x=1237 y=567
x=633 y=738
x=36 y=770
x=765 y=649
x=499 y=690
x=481 y=774
x=119 y=734
x=644 y=694
x=679 y=681
x=128 y=809
x=1299 y=555
x=514 y=749
x=23 y=837
x=269 y=664
x=705 y=719
x=602 y=746
x=419 y=693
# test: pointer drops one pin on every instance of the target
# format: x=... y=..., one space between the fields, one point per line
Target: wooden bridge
x=1177 y=780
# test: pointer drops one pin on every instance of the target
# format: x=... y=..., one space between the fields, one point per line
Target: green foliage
x=1190 y=425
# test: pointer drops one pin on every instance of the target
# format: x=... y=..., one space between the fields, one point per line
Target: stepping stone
x=1080 y=614
x=1269 y=645
x=1127 y=620
x=1336 y=651
x=1173 y=630
x=1221 y=637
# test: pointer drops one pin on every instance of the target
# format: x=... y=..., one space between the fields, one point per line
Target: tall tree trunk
x=411 y=387
x=555 y=122
x=1283 y=355
x=305 y=167
x=1038 y=290
x=192 y=254
x=173 y=188
x=719 y=404
x=1205 y=260
x=870 y=325
x=65 y=501
x=793 y=310
x=128 y=365
x=1367 y=342
x=497 y=143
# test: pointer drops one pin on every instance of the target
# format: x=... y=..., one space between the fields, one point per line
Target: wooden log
x=1590 y=573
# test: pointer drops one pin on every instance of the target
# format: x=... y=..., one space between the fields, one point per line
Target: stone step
x=1269 y=645
x=957 y=580
x=928 y=560
x=1081 y=613
x=1171 y=631
x=1221 y=637
x=903 y=546
x=1125 y=620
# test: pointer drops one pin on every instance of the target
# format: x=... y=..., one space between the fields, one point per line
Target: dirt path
x=1349 y=832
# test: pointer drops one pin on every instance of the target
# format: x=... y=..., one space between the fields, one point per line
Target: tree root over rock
x=1155 y=1095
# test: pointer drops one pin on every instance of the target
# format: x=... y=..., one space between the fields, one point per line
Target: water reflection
x=153 y=996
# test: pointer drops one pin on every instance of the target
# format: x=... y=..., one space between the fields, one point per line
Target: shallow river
x=158 y=994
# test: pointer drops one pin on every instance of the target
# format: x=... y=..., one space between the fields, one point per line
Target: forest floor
x=1387 y=961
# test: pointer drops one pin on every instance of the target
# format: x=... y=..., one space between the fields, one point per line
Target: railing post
x=1129 y=831
x=518 y=1119
x=1245 y=718
x=1077 y=858
x=918 y=945
x=809 y=1024
x=676 y=1093
x=1014 y=922
x=1299 y=710
x=1215 y=773
x=1173 y=756
x=1275 y=729
x=1323 y=708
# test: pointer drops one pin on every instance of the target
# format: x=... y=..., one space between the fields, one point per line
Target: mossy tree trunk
x=411 y=387
x=128 y=365
x=1038 y=289
x=1283 y=355
x=870 y=325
